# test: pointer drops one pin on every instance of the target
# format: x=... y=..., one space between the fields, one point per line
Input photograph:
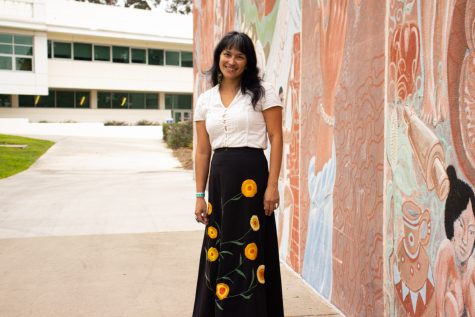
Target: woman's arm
x=202 y=158
x=273 y=119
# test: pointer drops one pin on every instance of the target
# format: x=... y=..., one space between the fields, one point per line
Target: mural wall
x=379 y=157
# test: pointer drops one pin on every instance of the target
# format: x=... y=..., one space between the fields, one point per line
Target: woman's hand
x=201 y=211
x=271 y=199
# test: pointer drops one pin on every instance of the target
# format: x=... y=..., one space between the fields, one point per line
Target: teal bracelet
x=200 y=195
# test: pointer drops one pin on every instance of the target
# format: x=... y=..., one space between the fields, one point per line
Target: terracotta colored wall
x=379 y=111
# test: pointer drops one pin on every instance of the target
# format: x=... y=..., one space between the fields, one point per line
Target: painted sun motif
x=249 y=188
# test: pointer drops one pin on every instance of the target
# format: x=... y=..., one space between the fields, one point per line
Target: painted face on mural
x=464 y=233
x=232 y=63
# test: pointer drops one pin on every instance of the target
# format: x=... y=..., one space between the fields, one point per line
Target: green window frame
x=172 y=58
x=121 y=54
x=155 y=57
x=139 y=56
x=82 y=51
x=16 y=52
x=186 y=59
x=62 y=50
x=102 y=53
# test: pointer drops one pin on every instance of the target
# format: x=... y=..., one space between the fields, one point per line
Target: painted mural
x=430 y=223
x=378 y=174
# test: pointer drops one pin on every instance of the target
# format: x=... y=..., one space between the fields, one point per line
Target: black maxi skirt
x=239 y=273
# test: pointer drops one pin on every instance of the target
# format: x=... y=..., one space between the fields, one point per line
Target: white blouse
x=237 y=125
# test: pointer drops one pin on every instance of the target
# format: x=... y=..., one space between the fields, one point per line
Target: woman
x=239 y=271
x=455 y=269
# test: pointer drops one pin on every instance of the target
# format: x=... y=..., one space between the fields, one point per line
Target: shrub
x=178 y=135
x=113 y=122
x=146 y=122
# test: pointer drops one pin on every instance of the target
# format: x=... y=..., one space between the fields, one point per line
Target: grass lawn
x=14 y=160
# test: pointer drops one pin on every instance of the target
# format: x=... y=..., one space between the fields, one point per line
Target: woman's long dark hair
x=460 y=194
x=250 y=81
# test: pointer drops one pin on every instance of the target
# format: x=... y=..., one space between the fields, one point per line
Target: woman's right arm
x=202 y=159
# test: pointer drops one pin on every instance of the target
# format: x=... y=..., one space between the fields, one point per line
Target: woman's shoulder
x=267 y=85
x=205 y=95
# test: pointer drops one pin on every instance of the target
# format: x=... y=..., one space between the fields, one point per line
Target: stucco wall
x=378 y=113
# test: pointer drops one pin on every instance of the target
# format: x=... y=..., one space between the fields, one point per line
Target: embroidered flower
x=255 y=223
x=260 y=273
x=251 y=251
x=210 y=208
x=222 y=290
x=212 y=254
x=249 y=188
x=212 y=232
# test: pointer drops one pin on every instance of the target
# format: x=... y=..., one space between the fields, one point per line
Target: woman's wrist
x=200 y=194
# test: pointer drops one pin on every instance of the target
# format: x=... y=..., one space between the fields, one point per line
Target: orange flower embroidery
x=260 y=273
x=255 y=223
x=210 y=208
x=251 y=251
x=212 y=254
x=249 y=188
x=222 y=290
x=212 y=232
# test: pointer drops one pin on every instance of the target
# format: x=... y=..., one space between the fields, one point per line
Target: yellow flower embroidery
x=212 y=232
x=212 y=254
x=255 y=223
x=222 y=290
x=251 y=251
x=260 y=273
x=210 y=208
x=249 y=188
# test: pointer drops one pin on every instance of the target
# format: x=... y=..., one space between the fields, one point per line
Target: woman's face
x=232 y=63
x=464 y=233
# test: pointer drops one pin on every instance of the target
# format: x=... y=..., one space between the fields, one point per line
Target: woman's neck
x=230 y=85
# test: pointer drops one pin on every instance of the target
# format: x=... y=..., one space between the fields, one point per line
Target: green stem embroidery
x=237 y=197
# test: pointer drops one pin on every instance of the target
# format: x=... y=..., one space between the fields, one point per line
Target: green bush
x=115 y=123
x=178 y=135
x=146 y=122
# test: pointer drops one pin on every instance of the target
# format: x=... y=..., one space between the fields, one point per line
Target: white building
x=66 y=60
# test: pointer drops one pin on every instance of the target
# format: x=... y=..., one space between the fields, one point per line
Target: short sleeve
x=198 y=114
x=271 y=99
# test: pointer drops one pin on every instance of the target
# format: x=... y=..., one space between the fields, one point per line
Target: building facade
x=65 y=60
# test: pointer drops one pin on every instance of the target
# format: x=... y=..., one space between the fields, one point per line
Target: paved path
x=103 y=226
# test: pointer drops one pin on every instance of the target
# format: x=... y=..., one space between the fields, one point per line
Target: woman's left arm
x=273 y=119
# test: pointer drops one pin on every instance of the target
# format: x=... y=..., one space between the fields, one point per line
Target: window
x=139 y=56
x=82 y=99
x=50 y=48
x=26 y=101
x=102 y=53
x=186 y=59
x=151 y=101
x=83 y=52
x=62 y=50
x=155 y=57
x=5 y=101
x=65 y=99
x=120 y=54
x=137 y=101
x=120 y=100
x=178 y=101
x=103 y=99
x=16 y=52
x=172 y=58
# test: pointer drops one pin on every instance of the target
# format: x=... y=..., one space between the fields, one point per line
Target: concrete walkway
x=102 y=225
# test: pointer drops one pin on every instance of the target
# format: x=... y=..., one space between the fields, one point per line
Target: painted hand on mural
x=436 y=22
x=455 y=266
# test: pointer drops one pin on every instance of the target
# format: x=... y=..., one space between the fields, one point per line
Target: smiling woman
x=14 y=159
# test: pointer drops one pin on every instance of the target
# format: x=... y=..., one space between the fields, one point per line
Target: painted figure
x=455 y=268
x=317 y=265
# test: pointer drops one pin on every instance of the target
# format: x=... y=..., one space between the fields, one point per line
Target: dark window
x=26 y=101
x=6 y=49
x=103 y=99
x=65 y=99
x=178 y=101
x=120 y=100
x=82 y=99
x=62 y=50
x=49 y=49
x=6 y=62
x=172 y=58
x=138 y=56
x=23 y=50
x=42 y=101
x=102 y=53
x=186 y=59
x=120 y=54
x=151 y=101
x=155 y=57
x=24 y=64
x=137 y=101
x=5 y=100
x=83 y=52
